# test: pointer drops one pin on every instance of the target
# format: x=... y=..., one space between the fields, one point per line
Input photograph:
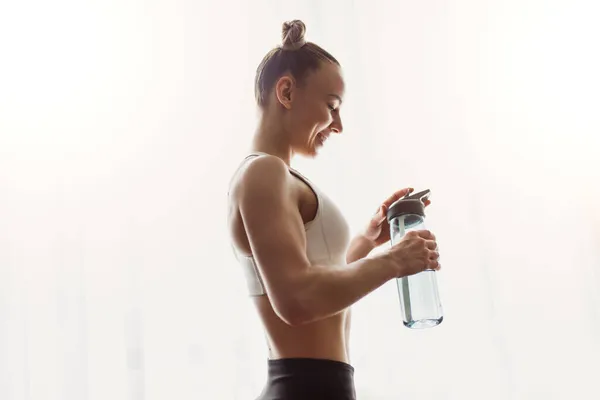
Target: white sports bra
x=327 y=237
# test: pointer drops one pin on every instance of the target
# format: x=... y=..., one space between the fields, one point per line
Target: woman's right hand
x=414 y=253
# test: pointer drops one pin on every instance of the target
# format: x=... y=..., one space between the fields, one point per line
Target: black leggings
x=309 y=379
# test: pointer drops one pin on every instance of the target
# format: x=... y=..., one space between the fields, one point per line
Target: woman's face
x=314 y=109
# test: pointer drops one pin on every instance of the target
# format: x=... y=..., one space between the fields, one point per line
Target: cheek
x=323 y=116
x=319 y=116
x=313 y=115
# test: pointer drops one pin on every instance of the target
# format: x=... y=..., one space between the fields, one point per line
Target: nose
x=336 y=126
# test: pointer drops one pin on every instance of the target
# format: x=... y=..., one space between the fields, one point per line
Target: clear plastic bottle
x=419 y=296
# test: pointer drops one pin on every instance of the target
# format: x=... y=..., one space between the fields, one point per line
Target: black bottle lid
x=409 y=204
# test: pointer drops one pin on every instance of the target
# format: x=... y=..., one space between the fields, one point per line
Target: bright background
x=122 y=121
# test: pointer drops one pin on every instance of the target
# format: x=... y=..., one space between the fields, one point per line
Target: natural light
x=121 y=123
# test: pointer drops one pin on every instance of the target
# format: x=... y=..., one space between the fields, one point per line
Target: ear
x=284 y=90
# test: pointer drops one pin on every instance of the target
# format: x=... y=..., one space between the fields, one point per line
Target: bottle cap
x=409 y=204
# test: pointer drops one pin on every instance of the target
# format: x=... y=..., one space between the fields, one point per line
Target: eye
x=331 y=107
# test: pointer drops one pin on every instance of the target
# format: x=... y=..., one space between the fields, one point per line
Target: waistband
x=308 y=365
x=309 y=378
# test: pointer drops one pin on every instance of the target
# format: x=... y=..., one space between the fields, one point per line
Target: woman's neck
x=270 y=137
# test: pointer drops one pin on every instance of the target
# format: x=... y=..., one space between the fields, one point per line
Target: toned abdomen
x=320 y=339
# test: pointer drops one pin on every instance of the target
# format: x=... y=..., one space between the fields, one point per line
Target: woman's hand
x=377 y=230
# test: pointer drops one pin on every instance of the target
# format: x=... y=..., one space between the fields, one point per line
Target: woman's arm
x=299 y=291
x=359 y=248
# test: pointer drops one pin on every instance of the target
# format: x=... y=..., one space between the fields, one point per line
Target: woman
x=302 y=269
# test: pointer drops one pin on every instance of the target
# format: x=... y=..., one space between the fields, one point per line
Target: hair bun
x=293 y=35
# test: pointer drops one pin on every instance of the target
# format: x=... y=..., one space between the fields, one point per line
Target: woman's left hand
x=378 y=229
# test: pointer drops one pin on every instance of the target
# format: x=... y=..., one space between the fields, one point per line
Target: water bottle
x=419 y=297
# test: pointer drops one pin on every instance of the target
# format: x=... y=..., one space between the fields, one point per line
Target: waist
x=323 y=339
x=309 y=378
x=309 y=366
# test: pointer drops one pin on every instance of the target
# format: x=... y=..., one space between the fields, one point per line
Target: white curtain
x=122 y=121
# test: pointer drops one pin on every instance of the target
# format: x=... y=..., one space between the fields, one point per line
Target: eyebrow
x=337 y=97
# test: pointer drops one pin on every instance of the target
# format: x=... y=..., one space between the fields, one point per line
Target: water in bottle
x=419 y=296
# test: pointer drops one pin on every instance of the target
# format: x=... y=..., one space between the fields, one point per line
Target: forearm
x=326 y=291
x=359 y=247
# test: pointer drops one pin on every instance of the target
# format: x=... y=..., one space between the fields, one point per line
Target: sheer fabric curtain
x=121 y=123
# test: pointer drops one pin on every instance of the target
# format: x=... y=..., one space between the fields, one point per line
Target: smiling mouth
x=321 y=138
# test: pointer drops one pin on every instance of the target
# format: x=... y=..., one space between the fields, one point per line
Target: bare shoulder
x=259 y=190
x=261 y=176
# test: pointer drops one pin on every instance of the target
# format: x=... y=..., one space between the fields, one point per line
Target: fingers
x=434 y=260
x=435 y=265
x=397 y=196
x=381 y=214
x=431 y=245
x=425 y=234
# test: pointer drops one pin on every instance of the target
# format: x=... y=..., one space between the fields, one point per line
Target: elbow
x=292 y=313
x=292 y=319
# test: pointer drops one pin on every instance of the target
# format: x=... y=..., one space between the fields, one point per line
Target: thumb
x=381 y=214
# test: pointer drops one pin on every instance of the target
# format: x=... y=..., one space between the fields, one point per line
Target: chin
x=315 y=151
x=310 y=152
